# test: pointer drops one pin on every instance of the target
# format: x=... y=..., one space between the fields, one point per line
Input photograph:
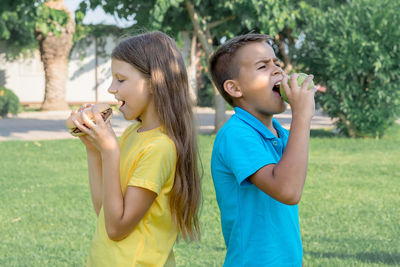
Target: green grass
x=349 y=213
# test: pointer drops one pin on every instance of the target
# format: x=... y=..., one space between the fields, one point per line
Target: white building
x=25 y=76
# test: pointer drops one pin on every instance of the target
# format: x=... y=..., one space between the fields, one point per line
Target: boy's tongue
x=276 y=89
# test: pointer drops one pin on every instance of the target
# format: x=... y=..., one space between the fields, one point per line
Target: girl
x=146 y=189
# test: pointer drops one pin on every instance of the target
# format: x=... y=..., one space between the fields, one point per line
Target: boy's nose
x=277 y=71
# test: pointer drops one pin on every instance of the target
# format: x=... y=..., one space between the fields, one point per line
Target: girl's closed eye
x=120 y=81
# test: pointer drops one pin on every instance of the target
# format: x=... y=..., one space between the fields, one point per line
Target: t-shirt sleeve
x=155 y=166
x=244 y=153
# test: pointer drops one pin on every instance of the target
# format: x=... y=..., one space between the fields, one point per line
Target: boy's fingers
x=293 y=81
x=307 y=82
x=284 y=83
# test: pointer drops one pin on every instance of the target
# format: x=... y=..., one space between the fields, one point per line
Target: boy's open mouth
x=277 y=88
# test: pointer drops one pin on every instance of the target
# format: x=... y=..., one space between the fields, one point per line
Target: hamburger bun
x=104 y=109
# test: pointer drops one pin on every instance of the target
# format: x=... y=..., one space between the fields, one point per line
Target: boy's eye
x=261 y=67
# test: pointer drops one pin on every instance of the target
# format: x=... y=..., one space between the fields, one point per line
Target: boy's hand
x=300 y=97
x=100 y=135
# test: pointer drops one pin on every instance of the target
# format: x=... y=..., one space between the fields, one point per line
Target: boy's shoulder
x=243 y=124
x=235 y=126
x=236 y=132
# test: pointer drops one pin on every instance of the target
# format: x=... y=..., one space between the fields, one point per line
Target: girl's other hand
x=100 y=135
x=90 y=147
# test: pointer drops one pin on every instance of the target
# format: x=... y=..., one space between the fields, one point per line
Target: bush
x=9 y=102
x=354 y=50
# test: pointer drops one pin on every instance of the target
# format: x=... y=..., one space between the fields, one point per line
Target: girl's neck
x=150 y=118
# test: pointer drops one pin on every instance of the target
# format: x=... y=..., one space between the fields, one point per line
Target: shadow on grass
x=322 y=133
x=367 y=257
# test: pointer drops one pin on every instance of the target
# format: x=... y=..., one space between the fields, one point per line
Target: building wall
x=25 y=76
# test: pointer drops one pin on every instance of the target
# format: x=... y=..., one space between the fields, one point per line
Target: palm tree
x=54 y=52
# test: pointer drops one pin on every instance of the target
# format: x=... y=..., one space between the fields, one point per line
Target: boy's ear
x=232 y=88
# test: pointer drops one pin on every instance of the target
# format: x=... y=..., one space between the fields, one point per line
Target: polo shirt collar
x=257 y=124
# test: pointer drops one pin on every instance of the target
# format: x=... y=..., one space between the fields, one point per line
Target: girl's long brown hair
x=156 y=55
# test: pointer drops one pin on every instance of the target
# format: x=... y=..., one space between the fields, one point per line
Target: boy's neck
x=265 y=119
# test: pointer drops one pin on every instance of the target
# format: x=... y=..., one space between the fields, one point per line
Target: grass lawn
x=349 y=213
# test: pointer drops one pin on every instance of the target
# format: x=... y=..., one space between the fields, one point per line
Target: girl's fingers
x=88 y=122
x=84 y=107
x=98 y=119
x=81 y=126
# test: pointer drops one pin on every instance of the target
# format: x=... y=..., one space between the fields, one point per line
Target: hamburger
x=104 y=109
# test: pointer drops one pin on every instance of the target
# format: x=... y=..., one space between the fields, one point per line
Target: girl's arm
x=95 y=178
x=121 y=213
x=94 y=168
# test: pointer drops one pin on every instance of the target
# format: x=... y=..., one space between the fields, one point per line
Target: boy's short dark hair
x=222 y=63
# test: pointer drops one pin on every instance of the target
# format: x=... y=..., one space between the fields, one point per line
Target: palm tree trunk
x=54 y=52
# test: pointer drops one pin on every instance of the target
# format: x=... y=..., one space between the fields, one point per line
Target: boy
x=258 y=168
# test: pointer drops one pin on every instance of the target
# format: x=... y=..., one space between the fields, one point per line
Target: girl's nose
x=112 y=90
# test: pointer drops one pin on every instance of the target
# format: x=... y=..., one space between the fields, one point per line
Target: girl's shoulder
x=161 y=138
x=132 y=128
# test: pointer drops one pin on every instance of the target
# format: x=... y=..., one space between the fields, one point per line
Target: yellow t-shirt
x=148 y=160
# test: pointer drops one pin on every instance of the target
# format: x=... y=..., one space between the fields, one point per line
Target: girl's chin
x=129 y=117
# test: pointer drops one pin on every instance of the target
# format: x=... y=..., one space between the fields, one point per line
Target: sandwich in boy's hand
x=104 y=109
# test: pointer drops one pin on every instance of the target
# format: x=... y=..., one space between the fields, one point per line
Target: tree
x=47 y=25
x=210 y=21
x=170 y=16
x=354 y=50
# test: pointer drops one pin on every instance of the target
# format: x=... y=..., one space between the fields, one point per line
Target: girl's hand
x=100 y=135
x=300 y=97
x=85 y=138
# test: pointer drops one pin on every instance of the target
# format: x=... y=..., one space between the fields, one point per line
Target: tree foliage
x=210 y=21
x=21 y=20
x=354 y=50
x=17 y=25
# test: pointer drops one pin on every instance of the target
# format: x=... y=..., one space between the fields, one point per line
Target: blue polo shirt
x=258 y=230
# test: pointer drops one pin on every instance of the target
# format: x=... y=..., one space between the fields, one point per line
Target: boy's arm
x=285 y=181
